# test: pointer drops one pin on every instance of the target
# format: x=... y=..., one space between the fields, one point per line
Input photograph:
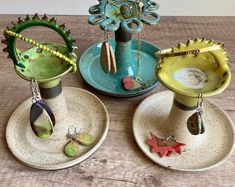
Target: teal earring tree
x=134 y=59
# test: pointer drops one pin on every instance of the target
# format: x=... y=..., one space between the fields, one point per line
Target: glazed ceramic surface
x=207 y=72
x=124 y=18
x=111 y=15
x=81 y=110
x=110 y=84
x=204 y=152
x=43 y=62
x=42 y=65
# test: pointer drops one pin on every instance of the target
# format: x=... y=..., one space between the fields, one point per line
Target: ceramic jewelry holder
x=203 y=68
x=122 y=17
x=72 y=107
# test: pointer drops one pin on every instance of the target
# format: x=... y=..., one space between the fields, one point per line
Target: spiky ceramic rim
x=28 y=22
x=181 y=48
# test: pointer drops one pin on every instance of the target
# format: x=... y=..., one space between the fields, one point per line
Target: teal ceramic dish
x=110 y=84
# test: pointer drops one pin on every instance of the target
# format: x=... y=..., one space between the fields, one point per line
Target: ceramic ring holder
x=122 y=18
x=47 y=63
x=199 y=66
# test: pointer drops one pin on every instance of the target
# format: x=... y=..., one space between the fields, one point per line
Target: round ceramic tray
x=218 y=145
x=109 y=84
x=85 y=111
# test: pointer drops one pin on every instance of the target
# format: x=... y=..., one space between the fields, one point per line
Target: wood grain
x=119 y=161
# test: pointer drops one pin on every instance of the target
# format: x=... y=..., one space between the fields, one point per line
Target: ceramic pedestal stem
x=53 y=95
x=176 y=124
x=186 y=102
x=123 y=53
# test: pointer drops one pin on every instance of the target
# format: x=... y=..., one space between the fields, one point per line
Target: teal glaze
x=125 y=64
x=95 y=9
x=151 y=6
x=126 y=25
x=110 y=25
x=148 y=21
x=124 y=18
x=114 y=14
x=96 y=19
x=110 y=84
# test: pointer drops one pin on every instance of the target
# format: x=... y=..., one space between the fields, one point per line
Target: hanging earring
x=71 y=149
x=85 y=139
x=195 y=122
x=166 y=146
x=133 y=83
x=107 y=56
x=42 y=119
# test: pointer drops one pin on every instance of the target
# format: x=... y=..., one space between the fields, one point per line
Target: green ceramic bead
x=71 y=149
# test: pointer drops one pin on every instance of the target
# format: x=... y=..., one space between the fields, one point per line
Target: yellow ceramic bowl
x=207 y=72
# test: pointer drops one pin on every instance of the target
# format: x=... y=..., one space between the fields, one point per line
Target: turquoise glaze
x=127 y=25
x=125 y=64
x=110 y=15
x=124 y=18
x=110 y=84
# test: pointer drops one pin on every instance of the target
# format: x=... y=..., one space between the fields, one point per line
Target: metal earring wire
x=36 y=96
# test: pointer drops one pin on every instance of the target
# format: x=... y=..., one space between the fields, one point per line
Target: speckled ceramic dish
x=208 y=150
x=85 y=111
x=110 y=84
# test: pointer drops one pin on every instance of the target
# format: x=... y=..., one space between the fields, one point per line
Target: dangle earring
x=107 y=56
x=133 y=83
x=42 y=119
x=195 y=122
x=166 y=146
x=71 y=149
x=83 y=138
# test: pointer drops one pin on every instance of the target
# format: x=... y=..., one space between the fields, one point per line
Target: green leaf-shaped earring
x=71 y=149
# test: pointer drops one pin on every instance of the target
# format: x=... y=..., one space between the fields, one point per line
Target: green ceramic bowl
x=42 y=65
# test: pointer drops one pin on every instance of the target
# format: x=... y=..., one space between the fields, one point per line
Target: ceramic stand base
x=110 y=84
x=208 y=150
x=84 y=111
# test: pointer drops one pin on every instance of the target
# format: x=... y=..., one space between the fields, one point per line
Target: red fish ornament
x=164 y=147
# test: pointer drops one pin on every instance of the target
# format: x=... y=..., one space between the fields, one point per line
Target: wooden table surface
x=119 y=161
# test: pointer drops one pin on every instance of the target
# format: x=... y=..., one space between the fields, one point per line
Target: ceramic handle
x=126 y=25
x=96 y=19
x=94 y=9
x=34 y=22
x=152 y=6
x=154 y=21
x=110 y=25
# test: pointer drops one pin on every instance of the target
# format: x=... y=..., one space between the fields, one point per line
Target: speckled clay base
x=85 y=110
x=203 y=152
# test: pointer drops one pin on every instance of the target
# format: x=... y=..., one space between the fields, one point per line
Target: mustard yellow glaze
x=206 y=72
